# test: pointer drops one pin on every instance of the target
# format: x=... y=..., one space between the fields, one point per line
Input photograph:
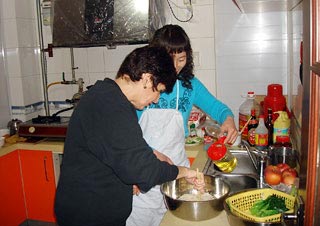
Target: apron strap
x=177 y=101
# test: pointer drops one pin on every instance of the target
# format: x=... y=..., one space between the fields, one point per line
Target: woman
x=165 y=124
x=105 y=153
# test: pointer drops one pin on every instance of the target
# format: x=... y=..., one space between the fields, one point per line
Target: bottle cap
x=217 y=150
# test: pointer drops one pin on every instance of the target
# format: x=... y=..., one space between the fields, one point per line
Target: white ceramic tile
x=13 y=62
x=60 y=62
x=223 y=7
x=81 y=60
x=205 y=49
x=29 y=62
x=10 y=33
x=16 y=91
x=7 y=9
x=32 y=89
x=25 y=9
x=93 y=77
x=114 y=57
x=95 y=59
x=202 y=24
x=27 y=35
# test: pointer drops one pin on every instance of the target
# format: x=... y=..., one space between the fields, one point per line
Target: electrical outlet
x=187 y=2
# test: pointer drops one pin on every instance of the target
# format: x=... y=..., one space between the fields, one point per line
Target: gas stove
x=44 y=126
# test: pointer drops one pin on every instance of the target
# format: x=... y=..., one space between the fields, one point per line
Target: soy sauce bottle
x=269 y=125
x=253 y=124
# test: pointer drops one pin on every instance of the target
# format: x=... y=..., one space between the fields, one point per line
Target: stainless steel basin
x=244 y=164
x=239 y=182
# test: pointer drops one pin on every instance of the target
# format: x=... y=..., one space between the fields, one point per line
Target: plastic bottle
x=245 y=112
x=221 y=156
x=261 y=134
x=269 y=125
x=253 y=124
x=281 y=125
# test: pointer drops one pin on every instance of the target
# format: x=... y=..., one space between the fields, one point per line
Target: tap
x=259 y=159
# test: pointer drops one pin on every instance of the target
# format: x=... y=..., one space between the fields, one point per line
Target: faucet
x=259 y=159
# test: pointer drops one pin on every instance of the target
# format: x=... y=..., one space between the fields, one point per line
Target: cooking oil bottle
x=221 y=156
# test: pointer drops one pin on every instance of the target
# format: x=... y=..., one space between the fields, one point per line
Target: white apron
x=163 y=130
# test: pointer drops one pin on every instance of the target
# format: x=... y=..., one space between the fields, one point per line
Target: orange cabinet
x=39 y=184
x=12 y=210
x=27 y=187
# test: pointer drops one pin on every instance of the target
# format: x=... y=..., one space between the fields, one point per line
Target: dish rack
x=240 y=204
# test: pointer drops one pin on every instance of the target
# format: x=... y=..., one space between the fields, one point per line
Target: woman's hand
x=197 y=181
x=136 y=190
x=162 y=157
x=229 y=127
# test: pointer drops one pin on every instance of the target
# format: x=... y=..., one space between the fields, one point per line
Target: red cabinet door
x=39 y=184
x=12 y=210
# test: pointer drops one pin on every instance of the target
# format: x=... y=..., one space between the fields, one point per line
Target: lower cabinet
x=12 y=210
x=29 y=187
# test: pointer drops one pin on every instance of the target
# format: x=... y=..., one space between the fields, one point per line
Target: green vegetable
x=270 y=206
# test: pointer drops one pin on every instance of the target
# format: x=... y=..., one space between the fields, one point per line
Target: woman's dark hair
x=153 y=60
x=175 y=40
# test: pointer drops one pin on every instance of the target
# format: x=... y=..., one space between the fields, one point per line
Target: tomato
x=290 y=171
x=283 y=166
x=272 y=175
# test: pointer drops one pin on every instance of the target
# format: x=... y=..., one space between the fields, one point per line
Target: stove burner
x=46 y=119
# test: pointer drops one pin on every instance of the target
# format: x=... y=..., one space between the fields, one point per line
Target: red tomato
x=290 y=171
x=272 y=175
x=283 y=166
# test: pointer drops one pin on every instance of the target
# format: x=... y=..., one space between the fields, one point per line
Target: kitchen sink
x=244 y=164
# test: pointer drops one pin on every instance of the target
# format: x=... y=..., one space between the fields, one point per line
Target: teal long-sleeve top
x=198 y=96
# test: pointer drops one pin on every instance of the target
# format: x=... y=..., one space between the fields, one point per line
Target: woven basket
x=240 y=204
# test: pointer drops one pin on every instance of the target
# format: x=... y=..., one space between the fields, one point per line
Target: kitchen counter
x=169 y=219
x=199 y=162
x=44 y=145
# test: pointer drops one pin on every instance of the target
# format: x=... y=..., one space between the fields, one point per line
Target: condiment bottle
x=269 y=125
x=221 y=156
x=245 y=111
x=253 y=124
x=281 y=125
x=283 y=141
x=261 y=134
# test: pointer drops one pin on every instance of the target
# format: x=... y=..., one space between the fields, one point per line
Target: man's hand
x=136 y=190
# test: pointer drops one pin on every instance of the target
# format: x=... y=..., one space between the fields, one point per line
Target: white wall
x=251 y=52
x=236 y=53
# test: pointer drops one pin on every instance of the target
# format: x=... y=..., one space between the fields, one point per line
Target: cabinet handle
x=45 y=168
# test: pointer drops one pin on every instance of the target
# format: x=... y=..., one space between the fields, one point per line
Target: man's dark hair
x=153 y=60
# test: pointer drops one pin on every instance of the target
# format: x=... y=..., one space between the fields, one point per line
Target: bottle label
x=280 y=132
x=251 y=136
x=261 y=139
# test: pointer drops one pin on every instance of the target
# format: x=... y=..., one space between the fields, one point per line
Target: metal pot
x=195 y=210
x=13 y=126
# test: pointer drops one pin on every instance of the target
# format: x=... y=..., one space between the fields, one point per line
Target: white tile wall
x=251 y=52
x=237 y=52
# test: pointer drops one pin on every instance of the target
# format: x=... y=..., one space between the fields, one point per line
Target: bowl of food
x=187 y=203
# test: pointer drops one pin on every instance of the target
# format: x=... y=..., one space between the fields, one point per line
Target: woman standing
x=165 y=123
x=105 y=153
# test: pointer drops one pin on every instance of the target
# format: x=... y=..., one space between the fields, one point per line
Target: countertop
x=169 y=219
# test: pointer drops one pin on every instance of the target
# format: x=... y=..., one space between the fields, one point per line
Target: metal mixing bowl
x=195 y=210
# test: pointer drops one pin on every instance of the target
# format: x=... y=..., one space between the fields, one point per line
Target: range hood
x=259 y=6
